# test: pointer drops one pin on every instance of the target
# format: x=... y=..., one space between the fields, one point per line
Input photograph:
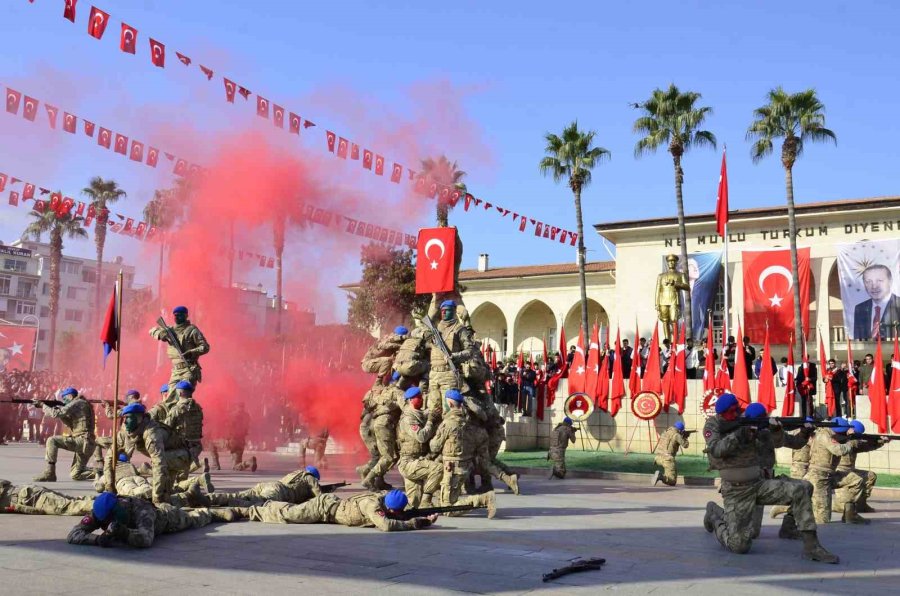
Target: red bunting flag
x=295 y=123
x=330 y=139
x=245 y=93
x=367 y=159
x=354 y=151
x=397 y=173
x=652 y=380
x=157 y=53
x=342 y=148
x=209 y=75
x=104 y=139
x=28 y=191
x=740 y=385
x=128 y=40
x=13 y=98
x=13 y=198
x=70 y=122
x=69 y=10
x=181 y=167
x=229 y=91
x=722 y=200
x=51 y=114
x=766 y=389
x=152 y=156
x=592 y=367
x=97 y=23
x=184 y=59
x=3 y=179
x=308 y=124
x=790 y=393
x=436 y=250
x=379 y=165
x=88 y=128
x=278 y=115
x=262 y=107
x=618 y=380
x=137 y=151
x=121 y=144
x=30 y=110
x=894 y=396
x=577 y=368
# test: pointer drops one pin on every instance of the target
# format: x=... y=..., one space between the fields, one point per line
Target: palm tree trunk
x=581 y=260
x=159 y=274
x=99 y=240
x=443 y=211
x=795 y=269
x=682 y=239
x=55 y=262
x=279 y=251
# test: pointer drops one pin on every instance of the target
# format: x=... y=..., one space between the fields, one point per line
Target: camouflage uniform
x=800 y=460
x=130 y=483
x=560 y=438
x=847 y=465
x=185 y=418
x=385 y=415
x=666 y=450
x=30 y=498
x=296 y=488
x=421 y=475
x=365 y=510
x=317 y=444
x=824 y=457
x=460 y=341
x=379 y=358
x=194 y=345
x=767 y=442
x=238 y=429
x=78 y=415
x=456 y=444
x=365 y=429
x=736 y=456
x=143 y=521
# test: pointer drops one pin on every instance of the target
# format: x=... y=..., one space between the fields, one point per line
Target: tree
x=672 y=118
x=101 y=193
x=796 y=118
x=163 y=212
x=445 y=173
x=387 y=291
x=60 y=227
x=571 y=157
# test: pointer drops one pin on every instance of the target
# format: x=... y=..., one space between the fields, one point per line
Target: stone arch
x=489 y=323
x=535 y=323
x=835 y=306
x=596 y=312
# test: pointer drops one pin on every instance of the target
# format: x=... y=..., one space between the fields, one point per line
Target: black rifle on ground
x=330 y=488
x=439 y=342
x=873 y=437
x=788 y=423
x=425 y=512
x=580 y=565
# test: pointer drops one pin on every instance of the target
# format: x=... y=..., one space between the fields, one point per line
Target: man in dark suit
x=627 y=352
x=880 y=314
x=806 y=387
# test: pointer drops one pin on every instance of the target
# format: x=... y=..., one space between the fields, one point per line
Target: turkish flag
x=184 y=59
x=128 y=41
x=397 y=173
x=379 y=165
x=766 y=390
x=129 y=226
x=262 y=107
x=618 y=380
x=342 y=148
x=592 y=367
x=790 y=388
x=740 y=386
x=245 y=93
x=140 y=230
x=207 y=71
x=601 y=393
x=709 y=365
x=769 y=296
x=181 y=167
x=278 y=116
x=577 y=369
x=51 y=114
x=30 y=111
x=55 y=200
x=97 y=23
x=367 y=159
x=295 y=123
x=553 y=382
x=722 y=200
x=435 y=260
x=18 y=341
x=13 y=98
x=152 y=156
x=877 y=391
x=827 y=376
x=88 y=128
x=894 y=396
x=121 y=144
x=28 y=191
x=330 y=139
x=652 y=380
x=69 y=10
x=104 y=138
x=70 y=121
x=3 y=179
x=157 y=53
x=229 y=90
x=137 y=151
x=13 y=198
x=354 y=151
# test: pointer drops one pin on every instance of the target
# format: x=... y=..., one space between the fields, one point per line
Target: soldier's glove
x=458 y=357
x=104 y=540
x=884 y=440
x=774 y=424
x=118 y=531
x=746 y=434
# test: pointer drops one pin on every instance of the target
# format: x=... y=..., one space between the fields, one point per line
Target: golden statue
x=668 y=298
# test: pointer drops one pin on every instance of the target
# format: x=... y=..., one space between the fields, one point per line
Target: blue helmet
x=69 y=391
x=104 y=505
x=313 y=470
x=123 y=458
x=454 y=395
x=134 y=392
x=567 y=420
x=396 y=500
x=679 y=425
x=184 y=385
x=164 y=388
x=180 y=310
x=448 y=304
x=755 y=410
x=395 y=376
x=858 y=427
x=725 y=402
x=401 y=330
x=412 y=392
x=842 y=425
x=134 y=408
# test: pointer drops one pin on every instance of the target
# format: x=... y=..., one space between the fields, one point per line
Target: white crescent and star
x=129 y=37
x=428 y=245
x=15 y=348
x=775 y=299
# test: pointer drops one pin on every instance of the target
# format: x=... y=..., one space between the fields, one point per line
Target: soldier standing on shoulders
x=78 y=415
x=185 y=364
x=562 y=435
x=460 y=341
x=672 y=440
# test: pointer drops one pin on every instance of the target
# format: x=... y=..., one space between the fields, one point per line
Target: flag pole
x=114 y=456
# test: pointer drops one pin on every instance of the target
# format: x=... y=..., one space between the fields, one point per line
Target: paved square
x=652 y=539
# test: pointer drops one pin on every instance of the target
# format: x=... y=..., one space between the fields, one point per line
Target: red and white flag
x=435 y=260
x=184 y=59
x=70 y=122
x=262 y=107
x=157 y=53
x=97 y=23
x=769 y=293
x=209 y=75
x=181 y=167
x=3 y=179
x=278 y=115
x=69 y=10
x=397 y=173
x=152 y=156
x=740 y=385
x=28 y=191
x=128 y=39
x=29 y=112
x=617 y=392
x=601 y=393
x=367 y=159
x=343 y=148
x=52 y=112
x=722 y=200
x=790 y=384
x=18 y=341
x=766 y=390
x=229 y=91
x=634 y=379
x=137 y=151
x=121 y=144
x=88 y=128
x=379 y=165
x=592 y=366
x=330 y=140
x=827 y=376
x=553 y=383
x=295 y=123
x=894 y=389
x=578 y=368
x=652 y=380
x=13 y=98
x=104 y=138
x=354 y=151
x=878 y=392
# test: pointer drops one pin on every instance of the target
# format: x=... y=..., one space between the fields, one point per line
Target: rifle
x=580 y=565
x=173 y=341
x=414 y=513
x=786 y=422
x=330 y=488
x=688 y=433
x=439 y=342
x=874 y=437
x=57 y=403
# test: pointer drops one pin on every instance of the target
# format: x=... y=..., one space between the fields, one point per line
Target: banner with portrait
x=704 y=269
x=869 y=272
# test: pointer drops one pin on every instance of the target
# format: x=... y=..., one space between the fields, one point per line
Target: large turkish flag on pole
x=16 y=347
x=435 y=259
x=769 y=293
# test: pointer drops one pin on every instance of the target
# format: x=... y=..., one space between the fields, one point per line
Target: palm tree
x=445 y=173
x=60 y=227
x=796 y=118
x=673 y=119
x=571 y=157
x=163 y=211
x=101 y=193
x=278 y=241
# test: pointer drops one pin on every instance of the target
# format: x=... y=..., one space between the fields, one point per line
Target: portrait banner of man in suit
x=869 y=272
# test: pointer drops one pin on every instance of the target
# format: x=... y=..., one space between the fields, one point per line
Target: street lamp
x=37 y=325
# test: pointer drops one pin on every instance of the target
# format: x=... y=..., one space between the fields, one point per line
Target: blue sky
x=522 y=69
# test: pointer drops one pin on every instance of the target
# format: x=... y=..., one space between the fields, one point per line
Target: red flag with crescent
x=3 y=179
x=592 y=367
x=354 y=151
x=578 y=367
x=30 y=110
x=13 y=98
x=435 y=260
x=343 y=148
x=137 y=151
x=69 y=10
x=97 y=23
x=379 y=165
x=128 y=40
x=121 y=144
x=70 y=121
x=88 y=128
x=397 y=173
x=367 y=159
x=894 y=389
x=184 y=59
x=769 y=293
x=330 y=139
x=18 y=341
x=652 y=380
x=295 y=123
x=262 y=107
x=207 y=71
x=52 y=112
x=157 y=53
x=766 y=391
x=278 y=115
x=617 y=390
x=152 y=156
x=229 y=90
x=28 y=191
x=104 y=138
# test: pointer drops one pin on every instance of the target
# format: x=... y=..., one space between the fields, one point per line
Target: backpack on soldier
x=410 y=360
x=186 y=418
x=379 y=357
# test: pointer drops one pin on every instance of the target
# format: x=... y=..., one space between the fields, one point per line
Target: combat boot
x=512 y=481
x=85 y=474
x=253 y=463
x=49 y=474
x=789 y=529
x=215 y=456
x=851 y=516
x=380 y=483
x=814 y=551
x=491 y=503
x=426 y=502
x=228 y=514
x=655 y=479
x=712 y=517
x=779 y=510
x=862 y=505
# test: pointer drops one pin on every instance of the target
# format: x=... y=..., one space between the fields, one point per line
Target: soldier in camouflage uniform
x=365 y=430
x=297 y=487
x=829 y=446
x=455 y=442
x=734 y=452
x=385 y=416
x=317 y=444
x=460 y=341
x=133 y=396
x=847 y=464
x=135 y=522
x=193 y=344
x=130 y=483
x=78 y=415
x=560 y=438
x=185 y=418
x=666 y=449
x=421 y=475
x=33 y=499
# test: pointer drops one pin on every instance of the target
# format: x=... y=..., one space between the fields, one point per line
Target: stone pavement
x=652 y=539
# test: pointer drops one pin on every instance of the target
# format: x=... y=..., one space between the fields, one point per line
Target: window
x=4 y=284
x=72 y=293
x=23 y=308
x=71 y=267
x=14 y=265
x=74 y=315
x=88 y=276
x=25 y=289
x=45 y=289
x=45 y=311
